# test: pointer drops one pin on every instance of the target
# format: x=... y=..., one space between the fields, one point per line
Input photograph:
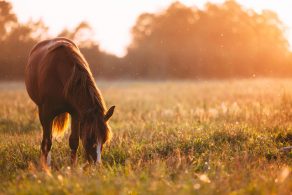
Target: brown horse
x=58 y=79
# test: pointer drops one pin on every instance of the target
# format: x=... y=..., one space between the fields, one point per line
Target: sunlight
x=112 y=20
x=145 y=97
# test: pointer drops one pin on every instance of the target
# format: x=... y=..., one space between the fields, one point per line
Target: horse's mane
x=81 y=73
x=81 y=76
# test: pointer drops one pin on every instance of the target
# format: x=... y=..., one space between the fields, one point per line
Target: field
x=183 y=137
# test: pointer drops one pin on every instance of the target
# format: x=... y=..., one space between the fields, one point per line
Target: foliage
x=16 y=40
x=221 y=40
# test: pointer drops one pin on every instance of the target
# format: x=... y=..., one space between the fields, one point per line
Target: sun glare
x=112 y=20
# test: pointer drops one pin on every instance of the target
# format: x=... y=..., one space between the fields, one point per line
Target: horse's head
x=95 y=131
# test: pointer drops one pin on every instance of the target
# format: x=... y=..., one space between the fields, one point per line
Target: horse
x=59 y=81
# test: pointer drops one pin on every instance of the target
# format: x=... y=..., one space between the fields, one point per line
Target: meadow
x=183 y=137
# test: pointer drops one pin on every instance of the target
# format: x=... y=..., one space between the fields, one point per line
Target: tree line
x=220 y=41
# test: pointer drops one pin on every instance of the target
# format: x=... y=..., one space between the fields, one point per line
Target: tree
x=16 y=40
x=7 y=18
x=222 y=40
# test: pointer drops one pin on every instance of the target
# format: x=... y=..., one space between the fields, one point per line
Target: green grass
x=205 y=137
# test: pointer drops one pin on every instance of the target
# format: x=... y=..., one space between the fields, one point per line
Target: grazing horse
x=58 y=79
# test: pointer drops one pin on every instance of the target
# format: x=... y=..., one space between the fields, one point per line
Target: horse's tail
x=61 y=124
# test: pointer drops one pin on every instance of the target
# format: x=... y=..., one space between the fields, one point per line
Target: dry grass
x=169 y=137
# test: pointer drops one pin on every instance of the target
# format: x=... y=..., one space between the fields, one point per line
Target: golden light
x=111 y=20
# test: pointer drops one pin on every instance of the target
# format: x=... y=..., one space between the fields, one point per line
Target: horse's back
x=48 y=68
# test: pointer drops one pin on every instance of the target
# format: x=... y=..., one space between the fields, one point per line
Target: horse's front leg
x=46 y=144
x=74 y=139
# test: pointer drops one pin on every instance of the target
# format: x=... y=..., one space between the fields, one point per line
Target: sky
x=112 y=20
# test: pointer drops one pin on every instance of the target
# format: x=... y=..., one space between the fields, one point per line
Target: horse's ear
x=109 y=113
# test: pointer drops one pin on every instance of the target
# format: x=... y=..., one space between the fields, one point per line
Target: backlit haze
x=112 y=20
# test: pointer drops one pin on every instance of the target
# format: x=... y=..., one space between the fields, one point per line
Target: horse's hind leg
x=46 y=144
x=74 y=139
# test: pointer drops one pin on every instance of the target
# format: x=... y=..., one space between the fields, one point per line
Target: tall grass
x=210 y=137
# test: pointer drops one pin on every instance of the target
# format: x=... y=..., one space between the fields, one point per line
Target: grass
x=204 y=137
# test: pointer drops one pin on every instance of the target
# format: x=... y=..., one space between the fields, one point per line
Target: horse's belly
x=31 y=83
